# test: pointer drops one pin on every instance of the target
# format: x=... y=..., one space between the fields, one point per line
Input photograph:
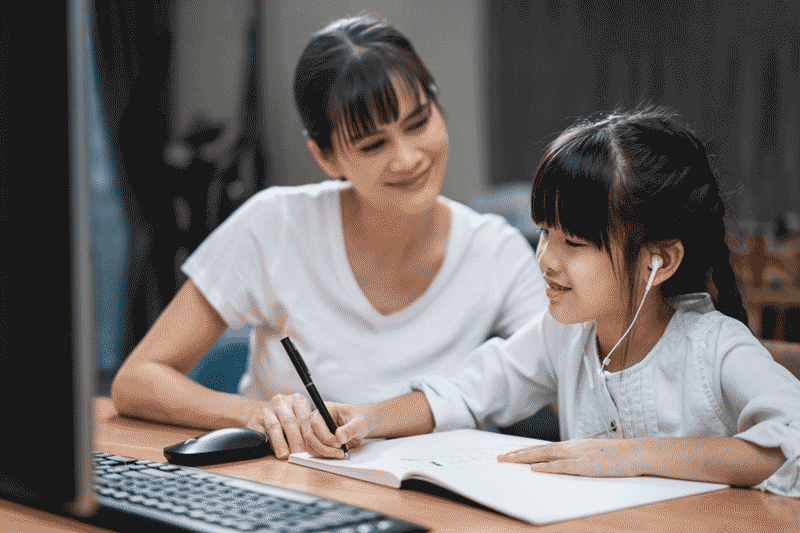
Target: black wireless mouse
x=219 y=446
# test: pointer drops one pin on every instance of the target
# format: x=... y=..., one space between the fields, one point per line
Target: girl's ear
x=327 y=162
x=671 y=253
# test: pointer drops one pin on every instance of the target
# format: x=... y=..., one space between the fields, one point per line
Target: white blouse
x=707 y=376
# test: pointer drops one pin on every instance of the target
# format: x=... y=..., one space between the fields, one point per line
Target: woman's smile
x=413 y=183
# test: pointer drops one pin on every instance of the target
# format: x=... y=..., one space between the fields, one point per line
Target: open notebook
x=464 y=462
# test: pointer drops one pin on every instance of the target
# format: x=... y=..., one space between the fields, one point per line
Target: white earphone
x=655 y=264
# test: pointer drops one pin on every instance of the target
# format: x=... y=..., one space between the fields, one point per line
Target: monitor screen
x=46 y=335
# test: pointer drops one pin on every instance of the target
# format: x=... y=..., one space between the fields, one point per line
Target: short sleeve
x=231 y=267
x=766 y=397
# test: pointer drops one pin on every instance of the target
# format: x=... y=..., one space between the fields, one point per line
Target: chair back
x=785 y=353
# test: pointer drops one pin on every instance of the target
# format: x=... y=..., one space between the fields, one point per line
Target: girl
x=653 y=375
x=373 y=275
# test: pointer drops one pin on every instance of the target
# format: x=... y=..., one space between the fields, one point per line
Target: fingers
x=291 y=411
x=280 y=420
x=320 y=441
x=562 y=466
x=534 y=454
x=274 y=431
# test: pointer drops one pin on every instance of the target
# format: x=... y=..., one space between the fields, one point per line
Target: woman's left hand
x=584 y=457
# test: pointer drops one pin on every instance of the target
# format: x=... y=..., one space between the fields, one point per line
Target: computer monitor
x=46 y=334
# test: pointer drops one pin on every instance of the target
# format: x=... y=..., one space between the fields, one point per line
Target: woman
x=374 y=276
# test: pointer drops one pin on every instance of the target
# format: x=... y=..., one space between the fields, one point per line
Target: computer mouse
x=219 y=446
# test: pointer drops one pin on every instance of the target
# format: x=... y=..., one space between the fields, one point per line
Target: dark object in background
x=175 y=190
x=133 y=44
x=215 y=170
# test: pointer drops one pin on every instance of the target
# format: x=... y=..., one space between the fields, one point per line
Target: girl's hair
x=640 y=178
x=342 y=83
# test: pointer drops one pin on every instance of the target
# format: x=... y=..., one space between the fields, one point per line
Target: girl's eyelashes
x=570 y=241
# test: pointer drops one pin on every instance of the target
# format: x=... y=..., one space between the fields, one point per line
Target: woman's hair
x=342 y=81
x=640 y=178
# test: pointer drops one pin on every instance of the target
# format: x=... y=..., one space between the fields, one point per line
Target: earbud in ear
x=655 y=264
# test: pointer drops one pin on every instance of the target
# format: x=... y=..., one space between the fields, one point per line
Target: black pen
x=305 y=375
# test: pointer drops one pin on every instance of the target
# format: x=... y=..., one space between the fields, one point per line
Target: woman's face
x=401 y=165
x=581 y=283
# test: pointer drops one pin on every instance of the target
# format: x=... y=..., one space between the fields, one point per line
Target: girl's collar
x=697 y=301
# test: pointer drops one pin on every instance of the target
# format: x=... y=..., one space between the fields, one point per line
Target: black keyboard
x=202 y=501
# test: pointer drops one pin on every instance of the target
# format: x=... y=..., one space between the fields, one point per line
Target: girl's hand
x=351 y=425
x=583 y=457
x=280 y=419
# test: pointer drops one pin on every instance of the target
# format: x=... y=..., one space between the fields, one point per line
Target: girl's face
x=403 y=163
x=581 y=283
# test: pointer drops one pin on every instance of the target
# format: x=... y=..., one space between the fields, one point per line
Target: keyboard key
x=135 y=474
x=158 y=472
x=124 y=460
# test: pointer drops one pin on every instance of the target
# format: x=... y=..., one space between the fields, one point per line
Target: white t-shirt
x=707 y=376
x=279 y=264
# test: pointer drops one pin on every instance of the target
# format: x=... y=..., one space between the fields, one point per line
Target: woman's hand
x=583 y=457
x=352 y=427
x=280 y=419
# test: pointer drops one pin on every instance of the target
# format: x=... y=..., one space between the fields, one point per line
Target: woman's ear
x=671 y=253
x=327 y=162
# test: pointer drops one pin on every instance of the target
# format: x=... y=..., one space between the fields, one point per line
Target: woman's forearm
x=726 y=460
x=157 y=392
x=402 y=416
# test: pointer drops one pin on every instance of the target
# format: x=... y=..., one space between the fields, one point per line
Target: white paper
x=465 y=462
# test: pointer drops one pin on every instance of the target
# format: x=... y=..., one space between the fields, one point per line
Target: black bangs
x=364 y=96
x=571 y=182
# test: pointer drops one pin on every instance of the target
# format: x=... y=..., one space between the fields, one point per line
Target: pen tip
x=347 y=455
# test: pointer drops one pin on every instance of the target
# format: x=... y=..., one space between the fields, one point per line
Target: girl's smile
x=555 y=290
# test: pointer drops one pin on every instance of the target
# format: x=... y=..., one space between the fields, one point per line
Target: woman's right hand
x=352 y=428
x=280 y=419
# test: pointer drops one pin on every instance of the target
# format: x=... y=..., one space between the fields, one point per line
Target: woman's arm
x=152 y=384
x=726 y=460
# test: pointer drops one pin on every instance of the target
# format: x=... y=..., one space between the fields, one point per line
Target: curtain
x=730 y=68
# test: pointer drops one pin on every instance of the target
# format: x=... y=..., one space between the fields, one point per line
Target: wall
x=448 y=35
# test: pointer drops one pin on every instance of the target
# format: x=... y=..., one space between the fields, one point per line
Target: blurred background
x=192 y=112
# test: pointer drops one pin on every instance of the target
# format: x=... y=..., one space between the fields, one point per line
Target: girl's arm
x=728 y=460
x=152 y=383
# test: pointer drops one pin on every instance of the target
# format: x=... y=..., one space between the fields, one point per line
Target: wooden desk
x=725 y=510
